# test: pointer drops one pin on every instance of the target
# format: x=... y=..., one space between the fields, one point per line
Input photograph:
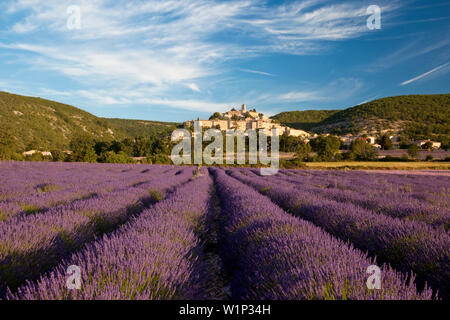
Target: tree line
x=157 y=149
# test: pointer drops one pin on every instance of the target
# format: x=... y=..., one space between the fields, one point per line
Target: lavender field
x=179 y=232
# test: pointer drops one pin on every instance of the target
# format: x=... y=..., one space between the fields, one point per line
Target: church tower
x=244 y=108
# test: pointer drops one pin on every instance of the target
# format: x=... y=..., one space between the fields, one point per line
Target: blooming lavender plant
x=390 y=202
x=406 y=245
x=32 y=244
x=154 y=256
x=276 y=256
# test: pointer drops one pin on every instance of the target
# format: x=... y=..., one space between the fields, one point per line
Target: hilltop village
x=244 y=119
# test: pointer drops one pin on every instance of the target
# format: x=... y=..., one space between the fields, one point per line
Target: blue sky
x=179 y=60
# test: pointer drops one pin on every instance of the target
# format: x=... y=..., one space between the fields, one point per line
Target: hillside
x=417 y=115
x=134 y=128
x=304 y=120
x=36 y=123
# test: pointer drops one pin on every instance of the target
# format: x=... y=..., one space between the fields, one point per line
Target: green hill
x=304 y=120
x=416 y=115
x=35 y=123
x=135 y=128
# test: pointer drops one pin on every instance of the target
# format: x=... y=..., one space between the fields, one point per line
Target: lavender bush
x=276 y=256
x=406 y=245
x=151 y=257
x=32 y=244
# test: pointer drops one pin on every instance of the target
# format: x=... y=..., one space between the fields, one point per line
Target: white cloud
x=193 y=87
x=135 y=66
x=24 y=27
x=423 y=75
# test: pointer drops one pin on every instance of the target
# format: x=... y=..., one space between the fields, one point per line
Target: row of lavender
x=30 y=192
x=273 y=255
x=390 y=195
x=156 y=255
x=27 y=178
x=432 y=189
x=32 y=244
x=406 y=245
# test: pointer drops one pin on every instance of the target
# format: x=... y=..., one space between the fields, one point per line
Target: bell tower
x=244 y=108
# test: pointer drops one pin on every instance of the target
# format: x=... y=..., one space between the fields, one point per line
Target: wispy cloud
x=155 y=48
x=118 y=96
x=423 y=75
x=257 y=72
x=338 y=89
x=301 y=96
x=415 y=48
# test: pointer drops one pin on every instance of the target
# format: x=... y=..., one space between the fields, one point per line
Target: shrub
x=160 y=159
x=58 y=155
x=362 y=151
x=413 y=150
x=112 y=157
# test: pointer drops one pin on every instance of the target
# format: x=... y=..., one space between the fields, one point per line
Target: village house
x=32 y=152
x=434 y=144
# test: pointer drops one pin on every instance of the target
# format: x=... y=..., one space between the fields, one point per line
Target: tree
x=427 y=145
x=82 y=147
x=294 y=144
x=112 y=157
x=142 y=147
x=160 y=159
x=160 y=146
x=116 y=146
x=101 y=147
x=127 y=146
x=303 y=149
x=445 y=142
x=58 y=155
x=216 y=115
x=326 y=147
x=413 y=150
x=88 y=155
x=385 y=142
x=362 y=151
x=6 y=145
